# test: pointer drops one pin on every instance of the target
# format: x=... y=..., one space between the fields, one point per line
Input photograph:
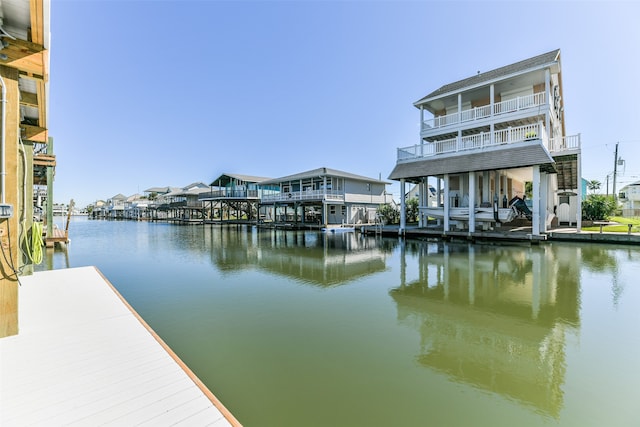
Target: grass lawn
x=620 y=227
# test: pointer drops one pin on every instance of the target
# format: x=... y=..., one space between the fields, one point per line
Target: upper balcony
x=503 y=138
x=229 y=194
x=306 y=195
x=512 y=109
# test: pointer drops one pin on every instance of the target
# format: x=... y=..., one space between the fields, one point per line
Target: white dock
x=84 y=357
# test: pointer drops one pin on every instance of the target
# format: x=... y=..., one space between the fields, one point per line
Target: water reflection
x=324 y=259
x=493 y=317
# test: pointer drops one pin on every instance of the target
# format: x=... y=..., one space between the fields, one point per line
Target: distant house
x=629 y=196
x=322 y=196
x=154 y=192
x=183 y=203
x=234 y=197
x=415 y=193
x=485 y=139
x=115 y=206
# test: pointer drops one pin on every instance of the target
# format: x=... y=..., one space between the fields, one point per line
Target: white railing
x=304 y=195
x=513 y=105
x=473 y=142
x=571 y=142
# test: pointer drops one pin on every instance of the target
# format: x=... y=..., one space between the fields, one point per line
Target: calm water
x=307 y=329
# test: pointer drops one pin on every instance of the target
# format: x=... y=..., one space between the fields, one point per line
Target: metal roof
x=161 y=190
x=499 y=73
x=321 y=172
x=521 y=155
x=226 y=178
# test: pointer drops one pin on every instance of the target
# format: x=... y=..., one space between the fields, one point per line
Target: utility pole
x=615 y=170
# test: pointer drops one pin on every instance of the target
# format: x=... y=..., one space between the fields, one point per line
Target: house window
x=563 y=199
x=332 y=209
x=343 y=210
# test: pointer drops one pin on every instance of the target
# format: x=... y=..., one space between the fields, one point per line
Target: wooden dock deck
x=84 y=357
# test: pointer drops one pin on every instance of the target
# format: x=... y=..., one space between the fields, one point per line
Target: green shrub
x=598 y=207
x=388 y=214
x=412 y=210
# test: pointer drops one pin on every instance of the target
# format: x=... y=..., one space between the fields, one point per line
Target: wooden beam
x=29 y=99
x=41 y=94
x=34 y=133
x=44 y=160
x=9 y=238
x=24 y=56
x=36 y=11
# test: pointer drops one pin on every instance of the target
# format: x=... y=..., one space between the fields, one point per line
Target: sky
x=166 y=93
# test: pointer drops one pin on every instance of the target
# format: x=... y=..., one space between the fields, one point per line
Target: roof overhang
x=528 y=153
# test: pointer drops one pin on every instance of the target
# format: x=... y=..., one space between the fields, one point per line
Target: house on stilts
x=322 y=197
x=490 y=142
x=234 y=198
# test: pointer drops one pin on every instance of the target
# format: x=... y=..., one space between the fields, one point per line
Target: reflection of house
x=325 y=259
x=483 y=138
x=234 y=197
x=494 y=319
x=323 y=196
x=629 y=196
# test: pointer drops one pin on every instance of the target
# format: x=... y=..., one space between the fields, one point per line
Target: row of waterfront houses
x=490 y=148
x=319 y=197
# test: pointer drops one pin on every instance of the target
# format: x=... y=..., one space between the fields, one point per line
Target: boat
x=481 y=214
x=341 y=229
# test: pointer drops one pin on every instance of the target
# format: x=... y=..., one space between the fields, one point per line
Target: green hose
x=35 y=252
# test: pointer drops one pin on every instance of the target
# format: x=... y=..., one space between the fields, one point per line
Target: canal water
x=293 y=328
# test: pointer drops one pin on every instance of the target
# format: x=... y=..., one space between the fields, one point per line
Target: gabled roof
x=159 y=190
x=226 y=178
x=119 y=196
x=320 y=172
x=195 y=185
x=499 y=73
x=633 y=184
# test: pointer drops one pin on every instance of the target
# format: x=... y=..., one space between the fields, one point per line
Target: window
x=332 y=209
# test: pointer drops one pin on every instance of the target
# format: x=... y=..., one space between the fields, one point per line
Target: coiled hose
x=35 y=251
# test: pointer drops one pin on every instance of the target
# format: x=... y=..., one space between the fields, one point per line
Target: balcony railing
x=483 y=140
x=512 y=105
x=186 y=204
x=567 y=143
x=229 y=194
x=304 y=195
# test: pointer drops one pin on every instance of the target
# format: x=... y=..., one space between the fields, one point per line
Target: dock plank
x=83 y=357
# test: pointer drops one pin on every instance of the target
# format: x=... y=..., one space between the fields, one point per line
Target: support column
x=421 y=201
x=446 y=202
x=544 y=188
x=472 y=202
x=439 y=197
x=10 y=107
x=403 y=206
x=579 y=190
x=547 y=94
x=486 y=192
x=492 y=103
x=535 y=223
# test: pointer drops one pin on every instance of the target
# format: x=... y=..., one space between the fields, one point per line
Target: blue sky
x=157 y=93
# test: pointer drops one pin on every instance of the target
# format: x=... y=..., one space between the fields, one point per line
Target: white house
x=483 y=138
x=323 y=196
x=629 y=196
